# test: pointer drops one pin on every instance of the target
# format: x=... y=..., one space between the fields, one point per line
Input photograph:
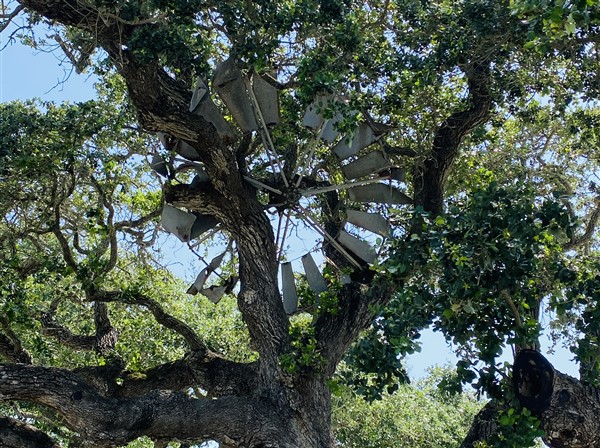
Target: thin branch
x=511 y=305
x=112 y=234
x=139 y=221
x=590 y=229
x=432 y=175
x=162 y=317
x=10 y=344
x=10 y=16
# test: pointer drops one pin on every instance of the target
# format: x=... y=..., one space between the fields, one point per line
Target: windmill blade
x=397 y=173
x=370 y=163
x=330 y=133
x=202 y=223
x=186 y=150
x=203 y=106
x=163 y=139
x=267 y=97
x=319 y=229
x=372 y=222
x=378 y=193
x=231 y=88
x=200 y=92
x=288 y=286
x=363 y=137
x=177 y=222
x=358 y=247
x=199 y=282
x=313 y=117
x=214 y=293
x=216 y=262
x=187 y=166
x=159 y=165
x=315 y=279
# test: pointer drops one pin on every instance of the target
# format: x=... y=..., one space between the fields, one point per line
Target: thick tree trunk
x=570 y=421
x=301 y=418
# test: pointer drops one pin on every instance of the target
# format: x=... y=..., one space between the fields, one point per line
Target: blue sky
x=27 y=73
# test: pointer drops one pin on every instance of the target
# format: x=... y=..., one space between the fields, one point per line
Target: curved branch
x=103 y=341
x=217 y=376
x=162 y=317
x=590 y=228
x=16 y=434
x=64 y=335
x=112 y=233
x=431 y=177
x=159 y=414
x=8 y=18
x=10 y=344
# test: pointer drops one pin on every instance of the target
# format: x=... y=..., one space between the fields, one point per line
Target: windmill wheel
x=370 y=180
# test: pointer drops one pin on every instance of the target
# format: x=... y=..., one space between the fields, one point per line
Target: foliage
x=419 y=415
x=496 y=101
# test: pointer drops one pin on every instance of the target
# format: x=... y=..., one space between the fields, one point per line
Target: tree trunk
x=570 y=421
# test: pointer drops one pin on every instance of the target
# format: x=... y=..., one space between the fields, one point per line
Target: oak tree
x=444 y=152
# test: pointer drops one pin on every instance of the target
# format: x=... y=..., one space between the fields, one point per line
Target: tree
x=485 y=125
x=418 y=415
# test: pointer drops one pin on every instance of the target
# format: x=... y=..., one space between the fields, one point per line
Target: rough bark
x=432 y=176
x=16 y=434
x=570 y=421
x=159 y=414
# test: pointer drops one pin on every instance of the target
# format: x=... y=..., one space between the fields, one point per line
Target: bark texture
x=569 y=421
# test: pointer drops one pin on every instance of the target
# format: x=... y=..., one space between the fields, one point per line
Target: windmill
x=370 y=180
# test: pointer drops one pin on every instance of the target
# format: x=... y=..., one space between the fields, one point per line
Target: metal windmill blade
x=360 y=248
x=313 y=117
x=202 y=224
x=378 y=193
x=371 y=163
x=159 y=165
x=229 y=83
x=203 y=106
x=373 y=222
x=363 y=137
x=267 y=97
x=288 y=286
x=214 y=293
x=315 y=279
x=330 y=132
x=177 y=222
x=186 y=151
x=198 y=284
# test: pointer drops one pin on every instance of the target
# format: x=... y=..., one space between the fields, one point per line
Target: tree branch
x=16 y=434
x=158 y=415
x=431 y=177
x=357 y=308
x=163 y=318
x=590 y=228
x=10 y=344
x=64 y=335
x=206 y=370
x=8 y=18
